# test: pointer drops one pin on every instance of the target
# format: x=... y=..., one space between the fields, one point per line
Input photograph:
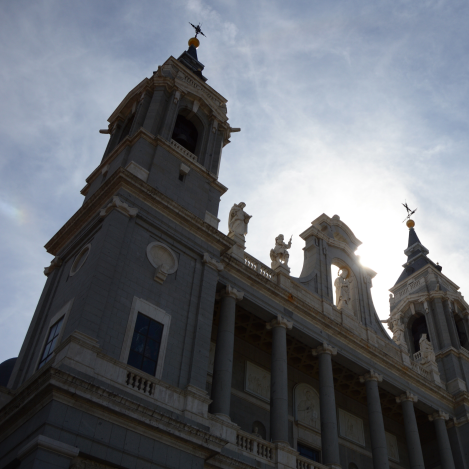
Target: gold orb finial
x=410 y=223
x=193 y=41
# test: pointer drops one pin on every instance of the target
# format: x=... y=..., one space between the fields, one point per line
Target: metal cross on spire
x=198 y=29
x=410 y=212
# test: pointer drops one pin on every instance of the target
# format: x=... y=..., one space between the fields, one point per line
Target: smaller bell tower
x=429 y=318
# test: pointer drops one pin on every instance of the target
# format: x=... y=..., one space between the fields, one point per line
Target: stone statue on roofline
x=279 y=254
x=343 y=290
x=238 y=221
x=426 y=349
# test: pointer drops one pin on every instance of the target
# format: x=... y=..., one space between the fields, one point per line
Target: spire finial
x=410 y=223
x=193 y=41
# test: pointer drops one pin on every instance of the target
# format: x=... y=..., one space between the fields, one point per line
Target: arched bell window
x=185 y=133
x=419 y=327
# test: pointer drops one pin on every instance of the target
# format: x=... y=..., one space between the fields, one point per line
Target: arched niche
x=343 y=280
x=416 y=326
x=258 y=429
x=306 y=406
x=189 y=130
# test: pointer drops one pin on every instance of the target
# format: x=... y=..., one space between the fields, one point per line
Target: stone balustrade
x=139 y=383
x=305 y=463
x=418 y=356
x=421 y=370
x=258 y=266
x=183 y=150
x=255 y=446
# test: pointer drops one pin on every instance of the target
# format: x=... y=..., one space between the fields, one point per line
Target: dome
x=6 y=369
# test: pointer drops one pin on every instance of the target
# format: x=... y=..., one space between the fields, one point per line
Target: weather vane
x=198 y=29
x=410 y=212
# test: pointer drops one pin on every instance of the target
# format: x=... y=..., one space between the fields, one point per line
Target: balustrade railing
x=258 y=266
x=420 y=370
x=139 y=383
x=305 y=463
x=418 y=356
x=183 y=150
x=254 y=445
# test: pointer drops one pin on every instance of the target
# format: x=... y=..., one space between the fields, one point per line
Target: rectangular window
x=145 y=346
x=51 y=342
x=309 y=453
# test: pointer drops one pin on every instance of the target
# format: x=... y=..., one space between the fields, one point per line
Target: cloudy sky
x=347 y=107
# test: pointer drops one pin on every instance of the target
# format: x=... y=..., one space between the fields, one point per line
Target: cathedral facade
x=159 y=342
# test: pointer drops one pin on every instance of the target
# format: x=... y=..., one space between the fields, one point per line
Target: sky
x=347 y=107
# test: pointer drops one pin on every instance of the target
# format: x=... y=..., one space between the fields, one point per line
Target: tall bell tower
x=128 y=301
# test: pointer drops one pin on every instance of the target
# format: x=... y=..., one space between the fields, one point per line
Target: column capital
x=324 y=348
x=231 y=292
x=371 y=376
x=438 y=415
x=211 y=262
x=407 y=396
x=279 y=321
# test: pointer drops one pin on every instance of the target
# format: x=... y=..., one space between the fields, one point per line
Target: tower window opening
x=185 y=133
x=181 y=177
x=419 y=327
x=146 y=342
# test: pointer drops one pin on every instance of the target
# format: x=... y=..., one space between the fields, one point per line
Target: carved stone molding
x=438 y=415
x=324 y=348
x=55 y=262
x=371 y=376
x=279 y=321
x=117 y=204
x=232 y=292
x=163 y=258
x=211 y=262
x=407 y=396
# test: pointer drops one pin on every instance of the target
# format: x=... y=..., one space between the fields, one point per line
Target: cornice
x=123 y=179
x=64 y=387
x=156 y=141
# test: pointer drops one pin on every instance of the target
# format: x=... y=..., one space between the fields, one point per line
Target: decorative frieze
x=351 y=427
x=257 y=381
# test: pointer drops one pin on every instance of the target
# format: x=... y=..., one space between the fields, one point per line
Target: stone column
x=279 y=380
x=223 y=364
x=379 y=446
x=329 y=436
x=411 y=431
x=446 y=455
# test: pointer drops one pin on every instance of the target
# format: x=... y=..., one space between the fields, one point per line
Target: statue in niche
x=343 y=290
x=398 y=332
x=238 y=221
x=426 y=349
x=306 y=411
x=279 y=254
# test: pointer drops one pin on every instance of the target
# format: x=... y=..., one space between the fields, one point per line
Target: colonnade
x=221 y=395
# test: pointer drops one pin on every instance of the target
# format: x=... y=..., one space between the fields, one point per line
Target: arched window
x=185 y=133
x=419 y=327
x=127 y=127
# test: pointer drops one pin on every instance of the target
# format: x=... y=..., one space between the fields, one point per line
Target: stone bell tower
x=128 y=301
